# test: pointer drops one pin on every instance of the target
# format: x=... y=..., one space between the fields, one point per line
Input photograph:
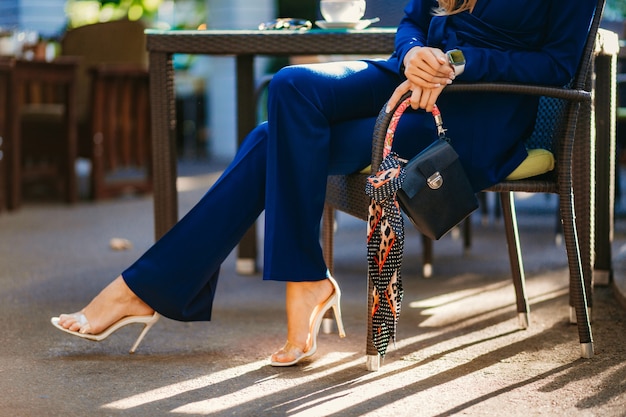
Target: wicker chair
x=565 y=118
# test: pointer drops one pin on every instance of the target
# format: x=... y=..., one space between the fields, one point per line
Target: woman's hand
x=428 y=67
x=421 y=98
x=428 y=72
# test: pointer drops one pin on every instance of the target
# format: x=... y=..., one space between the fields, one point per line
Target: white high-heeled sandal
x=147 y=321
x=334 y=302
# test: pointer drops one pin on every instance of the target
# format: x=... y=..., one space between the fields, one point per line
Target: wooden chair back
x=120 y=128
x=113 y=98
x=114 y=42
x=44 y=127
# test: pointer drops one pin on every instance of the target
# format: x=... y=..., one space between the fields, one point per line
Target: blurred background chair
x=43 y=138
x=112 y=109
x=120 y=131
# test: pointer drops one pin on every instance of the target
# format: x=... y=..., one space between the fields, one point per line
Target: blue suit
x=320 y=121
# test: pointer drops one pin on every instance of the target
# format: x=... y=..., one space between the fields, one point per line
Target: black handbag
x=436 y=194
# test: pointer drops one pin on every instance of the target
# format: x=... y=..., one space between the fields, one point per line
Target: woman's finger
x=426 y=79
x=432 y=98
x=416 y=96
x=397 y=94
x=424 y=99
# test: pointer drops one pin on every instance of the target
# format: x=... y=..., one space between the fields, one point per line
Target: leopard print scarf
x=385 y=244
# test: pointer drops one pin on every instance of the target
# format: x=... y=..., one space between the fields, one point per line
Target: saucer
x=361 y=24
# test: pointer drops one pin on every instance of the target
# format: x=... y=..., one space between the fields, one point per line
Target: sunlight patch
x=196 y=182
x=176 y=389
x=455 y=296
x=323 y=366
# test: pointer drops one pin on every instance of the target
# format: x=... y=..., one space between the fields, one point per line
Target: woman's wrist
x=409 y=55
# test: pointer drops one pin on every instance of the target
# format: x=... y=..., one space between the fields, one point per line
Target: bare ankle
x=301 y=300
x=114 y=302
x=121 y=293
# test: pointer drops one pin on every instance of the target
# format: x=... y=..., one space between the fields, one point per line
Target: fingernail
x=387 y=109
x=448 y=82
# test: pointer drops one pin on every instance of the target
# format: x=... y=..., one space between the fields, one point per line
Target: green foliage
x=615 y=9
x=84 y=12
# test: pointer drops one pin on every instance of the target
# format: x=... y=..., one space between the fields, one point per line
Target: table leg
x=606 y=68
x=246 y=121
x=71 y=182
x=14 y=199
x=163 y=142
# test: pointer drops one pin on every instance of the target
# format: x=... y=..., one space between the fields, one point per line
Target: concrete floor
x=459 y=351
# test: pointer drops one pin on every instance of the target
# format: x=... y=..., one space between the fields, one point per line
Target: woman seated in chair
x=320 y=120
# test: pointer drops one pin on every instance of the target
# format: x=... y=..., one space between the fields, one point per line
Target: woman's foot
x=303 y=303
x=114 y=302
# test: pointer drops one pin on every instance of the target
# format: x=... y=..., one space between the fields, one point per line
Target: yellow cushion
x=538 y=161
x=367 y=170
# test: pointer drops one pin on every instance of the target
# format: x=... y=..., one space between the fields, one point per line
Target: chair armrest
x=569 y=94
x=526 y=89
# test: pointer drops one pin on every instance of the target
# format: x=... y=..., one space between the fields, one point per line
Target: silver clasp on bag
x=435 y=181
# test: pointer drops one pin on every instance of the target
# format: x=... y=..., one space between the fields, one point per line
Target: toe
x=75 y=327
x=66 y=320
x=287 y=353
x=74 y=322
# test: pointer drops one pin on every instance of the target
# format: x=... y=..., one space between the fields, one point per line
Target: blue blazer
x=524 y=41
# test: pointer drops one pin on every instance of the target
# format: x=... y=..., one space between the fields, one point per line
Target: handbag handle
x=386 y=123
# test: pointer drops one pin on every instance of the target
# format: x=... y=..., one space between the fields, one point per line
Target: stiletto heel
x=145 y=330
x=147 y=321
x=334 y=302
x=338 y=319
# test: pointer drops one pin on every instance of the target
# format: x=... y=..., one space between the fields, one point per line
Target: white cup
x=342 y=10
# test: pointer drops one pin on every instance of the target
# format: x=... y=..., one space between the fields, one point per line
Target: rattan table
x=245 y=45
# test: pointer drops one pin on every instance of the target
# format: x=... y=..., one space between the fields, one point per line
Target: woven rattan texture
x=375 y=41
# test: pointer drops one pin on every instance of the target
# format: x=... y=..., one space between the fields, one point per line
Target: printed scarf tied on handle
x=385 y=243
x=385 y=240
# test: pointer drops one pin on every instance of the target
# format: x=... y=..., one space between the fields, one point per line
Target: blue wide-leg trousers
x=320 y=121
